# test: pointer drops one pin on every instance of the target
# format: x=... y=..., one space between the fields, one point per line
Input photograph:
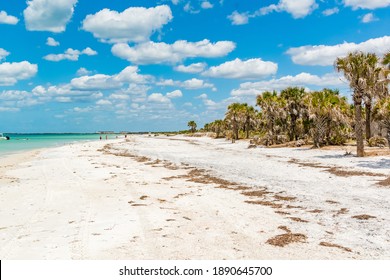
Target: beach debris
x=296 y=219
x=363 y=217
x=327 y=244
x=285 y=239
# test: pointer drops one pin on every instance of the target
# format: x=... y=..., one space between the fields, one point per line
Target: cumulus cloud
x=366 y=4
x=369 y=18
x=326 y=55
x=48 y=15
x=302 y=80
x=103 y=102
x=238 y=69
x=11 y=73
x=175 y=94
x=135 y=24
x=329 y=12
x=191 y=84
x=7 y=19
x=51 y=42
x=83 y=72
x=103 y=82
x=159 y=53
x=196 y=84
x=95 y=82
x=70 y=54
x=192 y=68
x=3 y=54
x=158 y=98
x=206 y=5
x=298 y=9
x=238 y=18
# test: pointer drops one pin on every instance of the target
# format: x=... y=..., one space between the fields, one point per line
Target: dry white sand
x=193 y=198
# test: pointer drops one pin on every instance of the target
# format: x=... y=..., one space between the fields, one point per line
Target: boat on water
x=2 y=137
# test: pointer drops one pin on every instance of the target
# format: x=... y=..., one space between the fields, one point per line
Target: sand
x=193 y=198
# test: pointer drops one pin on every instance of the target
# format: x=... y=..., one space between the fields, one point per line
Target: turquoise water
x=25 y=142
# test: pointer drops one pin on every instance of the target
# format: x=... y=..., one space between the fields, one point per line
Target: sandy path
x=84 y=202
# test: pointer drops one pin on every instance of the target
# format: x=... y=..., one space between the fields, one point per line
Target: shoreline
x=192 y=198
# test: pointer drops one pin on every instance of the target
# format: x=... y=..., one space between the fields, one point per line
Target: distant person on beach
x=100 y=137
x=106 y=137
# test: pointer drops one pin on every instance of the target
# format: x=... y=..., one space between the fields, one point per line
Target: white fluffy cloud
x=238 y=18
x=238 y=69
x=70 y=54
x=302 y=80
x=158 y=98
x=135 y=24
x=48 y=15
x=175 y=94
x=366 y=4
x=298 y=9
x=95 y=82
x=329 y=12
x=3 y=54
x=51 y=42
x=83 y=72
x=104 y=82
x=206 y=5
x=326 y=55
x=192 y=68
x=196 y=84
x=369 y=18
x=191 y=84
x=11 y=73
x=158 y=53
x=7 y=19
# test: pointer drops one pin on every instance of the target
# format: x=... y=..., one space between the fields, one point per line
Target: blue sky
x=84 y=66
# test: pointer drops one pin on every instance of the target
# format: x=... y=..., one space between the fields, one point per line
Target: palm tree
x=217 y=127
x=192 y=125
x=328 y=113
x=294 y=97
x=232 y=117
x=249 y=114
x=272 y=111
x=381 y=113
x=356 y=68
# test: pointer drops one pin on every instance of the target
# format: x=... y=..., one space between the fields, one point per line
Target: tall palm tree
x=249 y=114
x=328 y=113
x=356 y=67
x=294 y=97
x=272 y=111
x=233 y=117
x=376 y=88
x=192 y=125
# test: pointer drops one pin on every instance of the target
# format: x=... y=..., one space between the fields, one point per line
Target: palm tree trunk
x=368 y=121
x=293 y=128
x=247 y=127
x=359 y=129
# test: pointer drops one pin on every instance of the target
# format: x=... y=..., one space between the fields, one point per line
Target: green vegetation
x=320 y=117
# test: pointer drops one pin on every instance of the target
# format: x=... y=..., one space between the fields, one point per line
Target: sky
x=128 y=65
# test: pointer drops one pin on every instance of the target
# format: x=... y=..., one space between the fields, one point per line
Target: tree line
x=321 y=117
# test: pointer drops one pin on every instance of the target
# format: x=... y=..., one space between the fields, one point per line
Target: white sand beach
x=193 y=198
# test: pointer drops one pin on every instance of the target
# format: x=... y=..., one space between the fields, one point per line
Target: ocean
x=25 y=142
